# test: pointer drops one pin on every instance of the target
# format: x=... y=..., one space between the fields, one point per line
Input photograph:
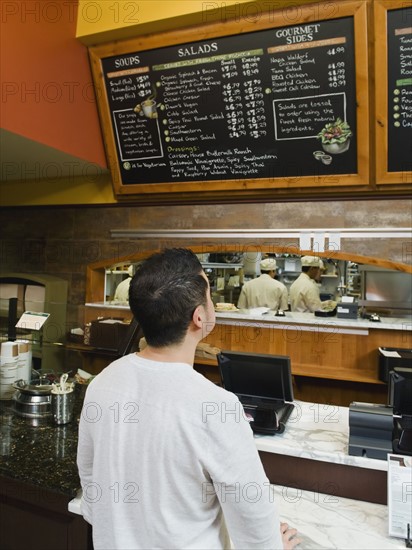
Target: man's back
x=157 y=444
x=263 y=292
x=304 y=295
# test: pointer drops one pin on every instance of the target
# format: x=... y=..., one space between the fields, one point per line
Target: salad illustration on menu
x=335 y=139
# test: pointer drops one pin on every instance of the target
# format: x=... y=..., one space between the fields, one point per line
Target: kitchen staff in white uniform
x=122 y=290
x=265 y=291
x=304 y=293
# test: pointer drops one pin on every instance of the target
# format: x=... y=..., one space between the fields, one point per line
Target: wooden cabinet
x=331 y=362
x=36 y=518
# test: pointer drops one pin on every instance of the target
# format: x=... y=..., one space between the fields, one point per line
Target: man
x=122 y=290
x=165 y=459
x=304 y=293
x=265 y=291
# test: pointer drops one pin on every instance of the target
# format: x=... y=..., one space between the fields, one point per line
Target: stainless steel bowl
x=32 y=406
x=34 y=387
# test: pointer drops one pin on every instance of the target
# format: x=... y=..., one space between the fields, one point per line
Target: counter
x=333 y=360
x=309 y=319
x=318 y=432
x=326 y=522
x=42 y=455
x=38 y=478
x=312 y=454
x=304 y=463
x=244 y=317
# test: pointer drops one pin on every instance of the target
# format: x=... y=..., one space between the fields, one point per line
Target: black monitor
x=400 y=391
x=256 y=375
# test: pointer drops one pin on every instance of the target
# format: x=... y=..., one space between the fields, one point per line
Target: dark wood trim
x=337 y=480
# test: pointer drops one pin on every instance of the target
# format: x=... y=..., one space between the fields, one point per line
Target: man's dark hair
x=305 y=268
x=164 y=292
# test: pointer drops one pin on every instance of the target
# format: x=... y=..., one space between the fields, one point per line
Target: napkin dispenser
x=370 y=430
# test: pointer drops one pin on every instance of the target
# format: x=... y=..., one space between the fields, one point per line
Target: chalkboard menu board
x=393 y=68
x=400 y=90
x=273 y=107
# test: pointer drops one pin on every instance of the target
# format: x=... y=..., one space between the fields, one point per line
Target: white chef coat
x=263 y=292
x=167 y=460
x=122 y=291
x=304 y=294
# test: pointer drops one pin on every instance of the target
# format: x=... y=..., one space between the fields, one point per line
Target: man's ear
x=197 y=316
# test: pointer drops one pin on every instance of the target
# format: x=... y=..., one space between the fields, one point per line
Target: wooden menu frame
x=243 y=188
x=383 y=176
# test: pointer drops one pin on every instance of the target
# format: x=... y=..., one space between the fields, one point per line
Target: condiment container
x=62 y=406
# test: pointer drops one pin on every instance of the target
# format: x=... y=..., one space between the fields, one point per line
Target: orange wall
x=47 y=91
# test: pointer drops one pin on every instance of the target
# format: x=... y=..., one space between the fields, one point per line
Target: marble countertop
x=41 y=455
x=326 y=521
x=317 y=432
x=245 y=316
x=309 y=319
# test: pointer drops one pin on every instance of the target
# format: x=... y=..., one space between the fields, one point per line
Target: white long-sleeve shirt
x=167 y=460
x=263 y=292
x=304 y=294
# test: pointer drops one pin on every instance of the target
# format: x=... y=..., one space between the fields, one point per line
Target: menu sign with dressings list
x=400 y=90
x=241 y=111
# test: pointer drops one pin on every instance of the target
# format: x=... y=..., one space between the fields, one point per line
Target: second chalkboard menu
x=394 y=92
x=284 y=106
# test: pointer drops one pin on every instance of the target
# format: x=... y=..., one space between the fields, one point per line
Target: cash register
x=376 y=430
x=400 y=398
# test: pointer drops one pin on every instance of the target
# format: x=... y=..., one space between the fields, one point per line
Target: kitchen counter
x=309 y=319
x=333 y=360
x=336 y=360
x=244 y=316
x=43 y=456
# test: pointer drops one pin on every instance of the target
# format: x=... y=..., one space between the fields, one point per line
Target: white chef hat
x=311 y=261
x=268 y=264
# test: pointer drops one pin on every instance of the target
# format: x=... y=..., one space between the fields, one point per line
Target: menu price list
x=399 y=25
x=268 y=104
